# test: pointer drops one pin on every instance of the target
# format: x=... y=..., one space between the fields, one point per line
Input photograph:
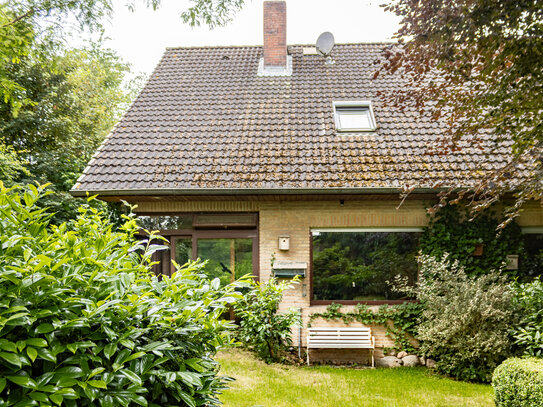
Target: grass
x=259 y=384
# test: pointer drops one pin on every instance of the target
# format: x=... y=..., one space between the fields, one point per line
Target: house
x=272 y=160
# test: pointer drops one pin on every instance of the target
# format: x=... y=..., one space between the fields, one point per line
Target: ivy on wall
x=451 y=230
x=400 y=321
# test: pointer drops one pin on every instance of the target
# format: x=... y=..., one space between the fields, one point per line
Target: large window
x=352 y=265
x=531 y=260
x=227 y=241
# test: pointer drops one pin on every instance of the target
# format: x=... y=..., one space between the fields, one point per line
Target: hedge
x=519 y=383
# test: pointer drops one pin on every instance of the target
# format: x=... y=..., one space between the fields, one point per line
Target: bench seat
x=341 y=338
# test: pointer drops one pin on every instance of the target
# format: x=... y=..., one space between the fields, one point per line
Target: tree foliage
x=84 y=322
x=478 y=68
x=76 y=98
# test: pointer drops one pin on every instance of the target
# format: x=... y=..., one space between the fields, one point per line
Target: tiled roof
x=206 y=120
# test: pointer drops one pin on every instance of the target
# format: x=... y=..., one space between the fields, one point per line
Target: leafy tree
x=478 y=67
x=75 y=100
x=11 y=165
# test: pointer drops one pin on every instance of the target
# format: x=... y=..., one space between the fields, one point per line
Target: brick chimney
x=275 y=35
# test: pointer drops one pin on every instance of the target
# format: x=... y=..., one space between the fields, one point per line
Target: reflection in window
x=165 y=222
x=531 y=260
x=357 y=265
x=183 y=250
x=227 y=259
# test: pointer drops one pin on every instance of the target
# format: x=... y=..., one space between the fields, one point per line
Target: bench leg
x=307 y=351
x=372 y=358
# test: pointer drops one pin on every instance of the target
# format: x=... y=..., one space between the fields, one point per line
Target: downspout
x=300 y=335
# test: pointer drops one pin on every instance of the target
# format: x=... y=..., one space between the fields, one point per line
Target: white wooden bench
x=340 y=338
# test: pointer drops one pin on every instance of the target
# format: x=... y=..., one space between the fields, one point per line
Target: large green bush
x=528 y=332
x=466 y=320
x=519 y=383
x=83 y=321
x=262 y=327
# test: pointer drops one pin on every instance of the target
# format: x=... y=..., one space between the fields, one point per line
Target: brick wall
x=275 y=33
x=296 y=219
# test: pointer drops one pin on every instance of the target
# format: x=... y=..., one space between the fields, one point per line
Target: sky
x=140 y=37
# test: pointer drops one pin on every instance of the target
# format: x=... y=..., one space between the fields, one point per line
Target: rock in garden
x=422 y=360
x=430 y=363
x=388 y=361
x=402 y=354
x=410 y=361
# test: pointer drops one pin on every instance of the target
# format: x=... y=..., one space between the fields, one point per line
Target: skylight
x=354 y=116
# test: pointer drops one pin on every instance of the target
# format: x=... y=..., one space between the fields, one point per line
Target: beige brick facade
x=297 y=218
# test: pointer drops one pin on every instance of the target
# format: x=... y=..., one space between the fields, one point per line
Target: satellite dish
x=325 y=44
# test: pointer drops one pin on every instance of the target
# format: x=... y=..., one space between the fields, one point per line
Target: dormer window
x=354 y=116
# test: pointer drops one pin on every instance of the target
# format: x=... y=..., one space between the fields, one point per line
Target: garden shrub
x=519 y=383
x=466 y=320
x=262 y=328
x=83 y=321
x=528 y=332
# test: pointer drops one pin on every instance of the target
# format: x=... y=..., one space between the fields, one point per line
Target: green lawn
x=258 y=384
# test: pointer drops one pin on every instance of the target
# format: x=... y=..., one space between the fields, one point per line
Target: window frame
x=313 y=302
x=205 y=233
x=363 y=104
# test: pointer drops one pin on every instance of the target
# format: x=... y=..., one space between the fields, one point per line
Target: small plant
x=262 y=327
x=528 y=332
x=84 y=322
x=466 y=320
x=519 y=383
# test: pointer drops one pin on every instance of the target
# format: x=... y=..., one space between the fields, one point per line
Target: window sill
x=355 y=302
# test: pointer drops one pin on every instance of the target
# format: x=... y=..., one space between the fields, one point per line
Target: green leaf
x=45 y=328
x=23 y=381
x=99 y=384
x=2 y=384
x=135 y=356
x=68 y=393
x=37 y=342
x=107 y=401
x=72 y=372
x=96 y=371
x=187 y=398
x=32 y=353
x=8 y=346
x=133 y=377
x=56 y=398
x=38 y=396
x=11 y=358
x=46 y=354
x=110 y=349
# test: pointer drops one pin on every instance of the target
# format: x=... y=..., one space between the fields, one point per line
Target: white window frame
x=363 y=104
x=529 y=230
x=316 y=231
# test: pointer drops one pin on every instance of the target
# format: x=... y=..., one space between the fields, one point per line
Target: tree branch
x=17 y=19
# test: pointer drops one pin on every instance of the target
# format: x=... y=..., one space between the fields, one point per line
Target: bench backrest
x=330 y=336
